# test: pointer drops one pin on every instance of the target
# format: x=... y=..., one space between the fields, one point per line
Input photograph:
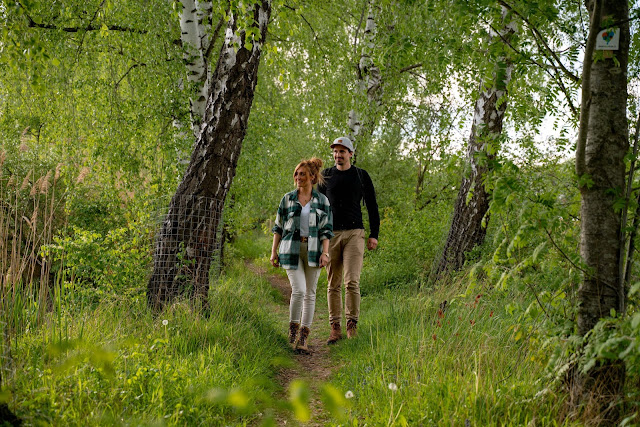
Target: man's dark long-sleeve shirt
x=345 y=190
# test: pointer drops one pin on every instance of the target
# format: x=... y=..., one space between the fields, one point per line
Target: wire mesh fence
x=187 y=249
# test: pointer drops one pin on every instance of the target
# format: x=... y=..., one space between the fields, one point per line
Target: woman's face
x=302 y=177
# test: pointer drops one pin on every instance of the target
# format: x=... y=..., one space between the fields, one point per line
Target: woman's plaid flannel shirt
x=288 y=226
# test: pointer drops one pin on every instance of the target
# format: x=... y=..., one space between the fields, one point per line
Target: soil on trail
x=315 y=368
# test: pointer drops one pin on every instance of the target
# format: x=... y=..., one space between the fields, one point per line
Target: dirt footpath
x=315 y=368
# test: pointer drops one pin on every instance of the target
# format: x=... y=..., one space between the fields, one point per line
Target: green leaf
x=635 y=322
x=299 y=395
x=334 y=401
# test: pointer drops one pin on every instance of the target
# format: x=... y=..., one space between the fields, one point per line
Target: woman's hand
x=324 y=259
x=274 y=259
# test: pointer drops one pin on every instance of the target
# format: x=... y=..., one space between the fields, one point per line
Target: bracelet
x=325 y=253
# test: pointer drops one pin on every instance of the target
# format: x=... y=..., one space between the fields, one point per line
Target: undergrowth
x=118 y=364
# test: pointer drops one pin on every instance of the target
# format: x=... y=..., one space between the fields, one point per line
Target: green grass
x=473 y=363
x=463 y=364
x=117 y=364
x=410 y=365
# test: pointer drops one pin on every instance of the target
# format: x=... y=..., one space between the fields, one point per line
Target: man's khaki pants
x=346 y=252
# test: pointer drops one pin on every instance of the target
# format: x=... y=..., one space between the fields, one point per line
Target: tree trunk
x=607 y=142
x=470 y=215
x=369 y=86
x=189 y=233
x=196 y=42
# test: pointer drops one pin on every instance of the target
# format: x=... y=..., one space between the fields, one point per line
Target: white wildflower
x=348 y=394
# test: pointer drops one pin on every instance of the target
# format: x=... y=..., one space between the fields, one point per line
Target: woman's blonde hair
x=314 y=166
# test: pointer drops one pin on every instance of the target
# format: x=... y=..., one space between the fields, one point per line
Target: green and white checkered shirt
x=288 y=226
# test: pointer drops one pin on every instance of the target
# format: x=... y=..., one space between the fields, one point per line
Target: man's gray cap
x=345 y=142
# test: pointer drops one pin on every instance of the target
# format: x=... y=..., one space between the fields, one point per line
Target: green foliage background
x=93 y=102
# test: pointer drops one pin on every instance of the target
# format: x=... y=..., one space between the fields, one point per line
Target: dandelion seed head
x=348 y=394
x=393 y=387
x=165 y=322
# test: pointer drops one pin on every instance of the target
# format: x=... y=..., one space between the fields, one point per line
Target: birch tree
x=369 y=82
x=470 y=216
x=601 y=147
x=185 y=243
x=197 y=42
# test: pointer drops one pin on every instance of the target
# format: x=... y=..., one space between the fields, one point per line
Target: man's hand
x=372 y=243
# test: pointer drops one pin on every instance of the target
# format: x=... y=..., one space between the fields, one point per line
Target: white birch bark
x=470 y=216
x=194 y=213
x=195 y=41
x=369 y=82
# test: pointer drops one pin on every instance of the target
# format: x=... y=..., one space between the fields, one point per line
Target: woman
x=304 y=225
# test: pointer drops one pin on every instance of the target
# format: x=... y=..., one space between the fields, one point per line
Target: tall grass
x=416 y=360
x=117 y=364
x=27 y=218
x=419 y=361
x=416 y=364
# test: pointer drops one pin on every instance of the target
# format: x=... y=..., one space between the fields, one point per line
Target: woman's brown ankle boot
x=293 y=333
x=302 y=346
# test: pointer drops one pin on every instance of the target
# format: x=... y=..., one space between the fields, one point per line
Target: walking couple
x=323 y=227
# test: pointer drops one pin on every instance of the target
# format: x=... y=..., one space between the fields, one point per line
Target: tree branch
x=586 y=89
x=432 y=198
x=33 y=24
x=410 y=67
x=539 y=36
x=95 y=15
x=508 y=43
x=90 y=27
x=566 y=93
x=214 y=38
x=625 y=213
x=142 y=64
x=355 y=39
x=564 y=255
x=586 y=273
x=313 y=31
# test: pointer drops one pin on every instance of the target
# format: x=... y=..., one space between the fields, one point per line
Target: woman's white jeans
x=303 y=281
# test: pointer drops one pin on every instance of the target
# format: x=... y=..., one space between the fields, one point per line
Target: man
x=345 y=186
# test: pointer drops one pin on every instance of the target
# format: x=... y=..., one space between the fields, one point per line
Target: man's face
x=341 y=155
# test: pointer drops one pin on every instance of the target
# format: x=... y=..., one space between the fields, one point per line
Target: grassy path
x=315 y=368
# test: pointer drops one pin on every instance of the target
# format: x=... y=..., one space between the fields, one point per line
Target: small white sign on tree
x=608 y=39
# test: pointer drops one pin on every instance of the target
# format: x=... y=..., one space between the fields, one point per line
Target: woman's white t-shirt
x=304 y=220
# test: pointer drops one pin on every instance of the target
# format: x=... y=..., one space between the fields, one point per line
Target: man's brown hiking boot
x=293 y=333
x=352 y=328
x=301 y=345
x=336 y=333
